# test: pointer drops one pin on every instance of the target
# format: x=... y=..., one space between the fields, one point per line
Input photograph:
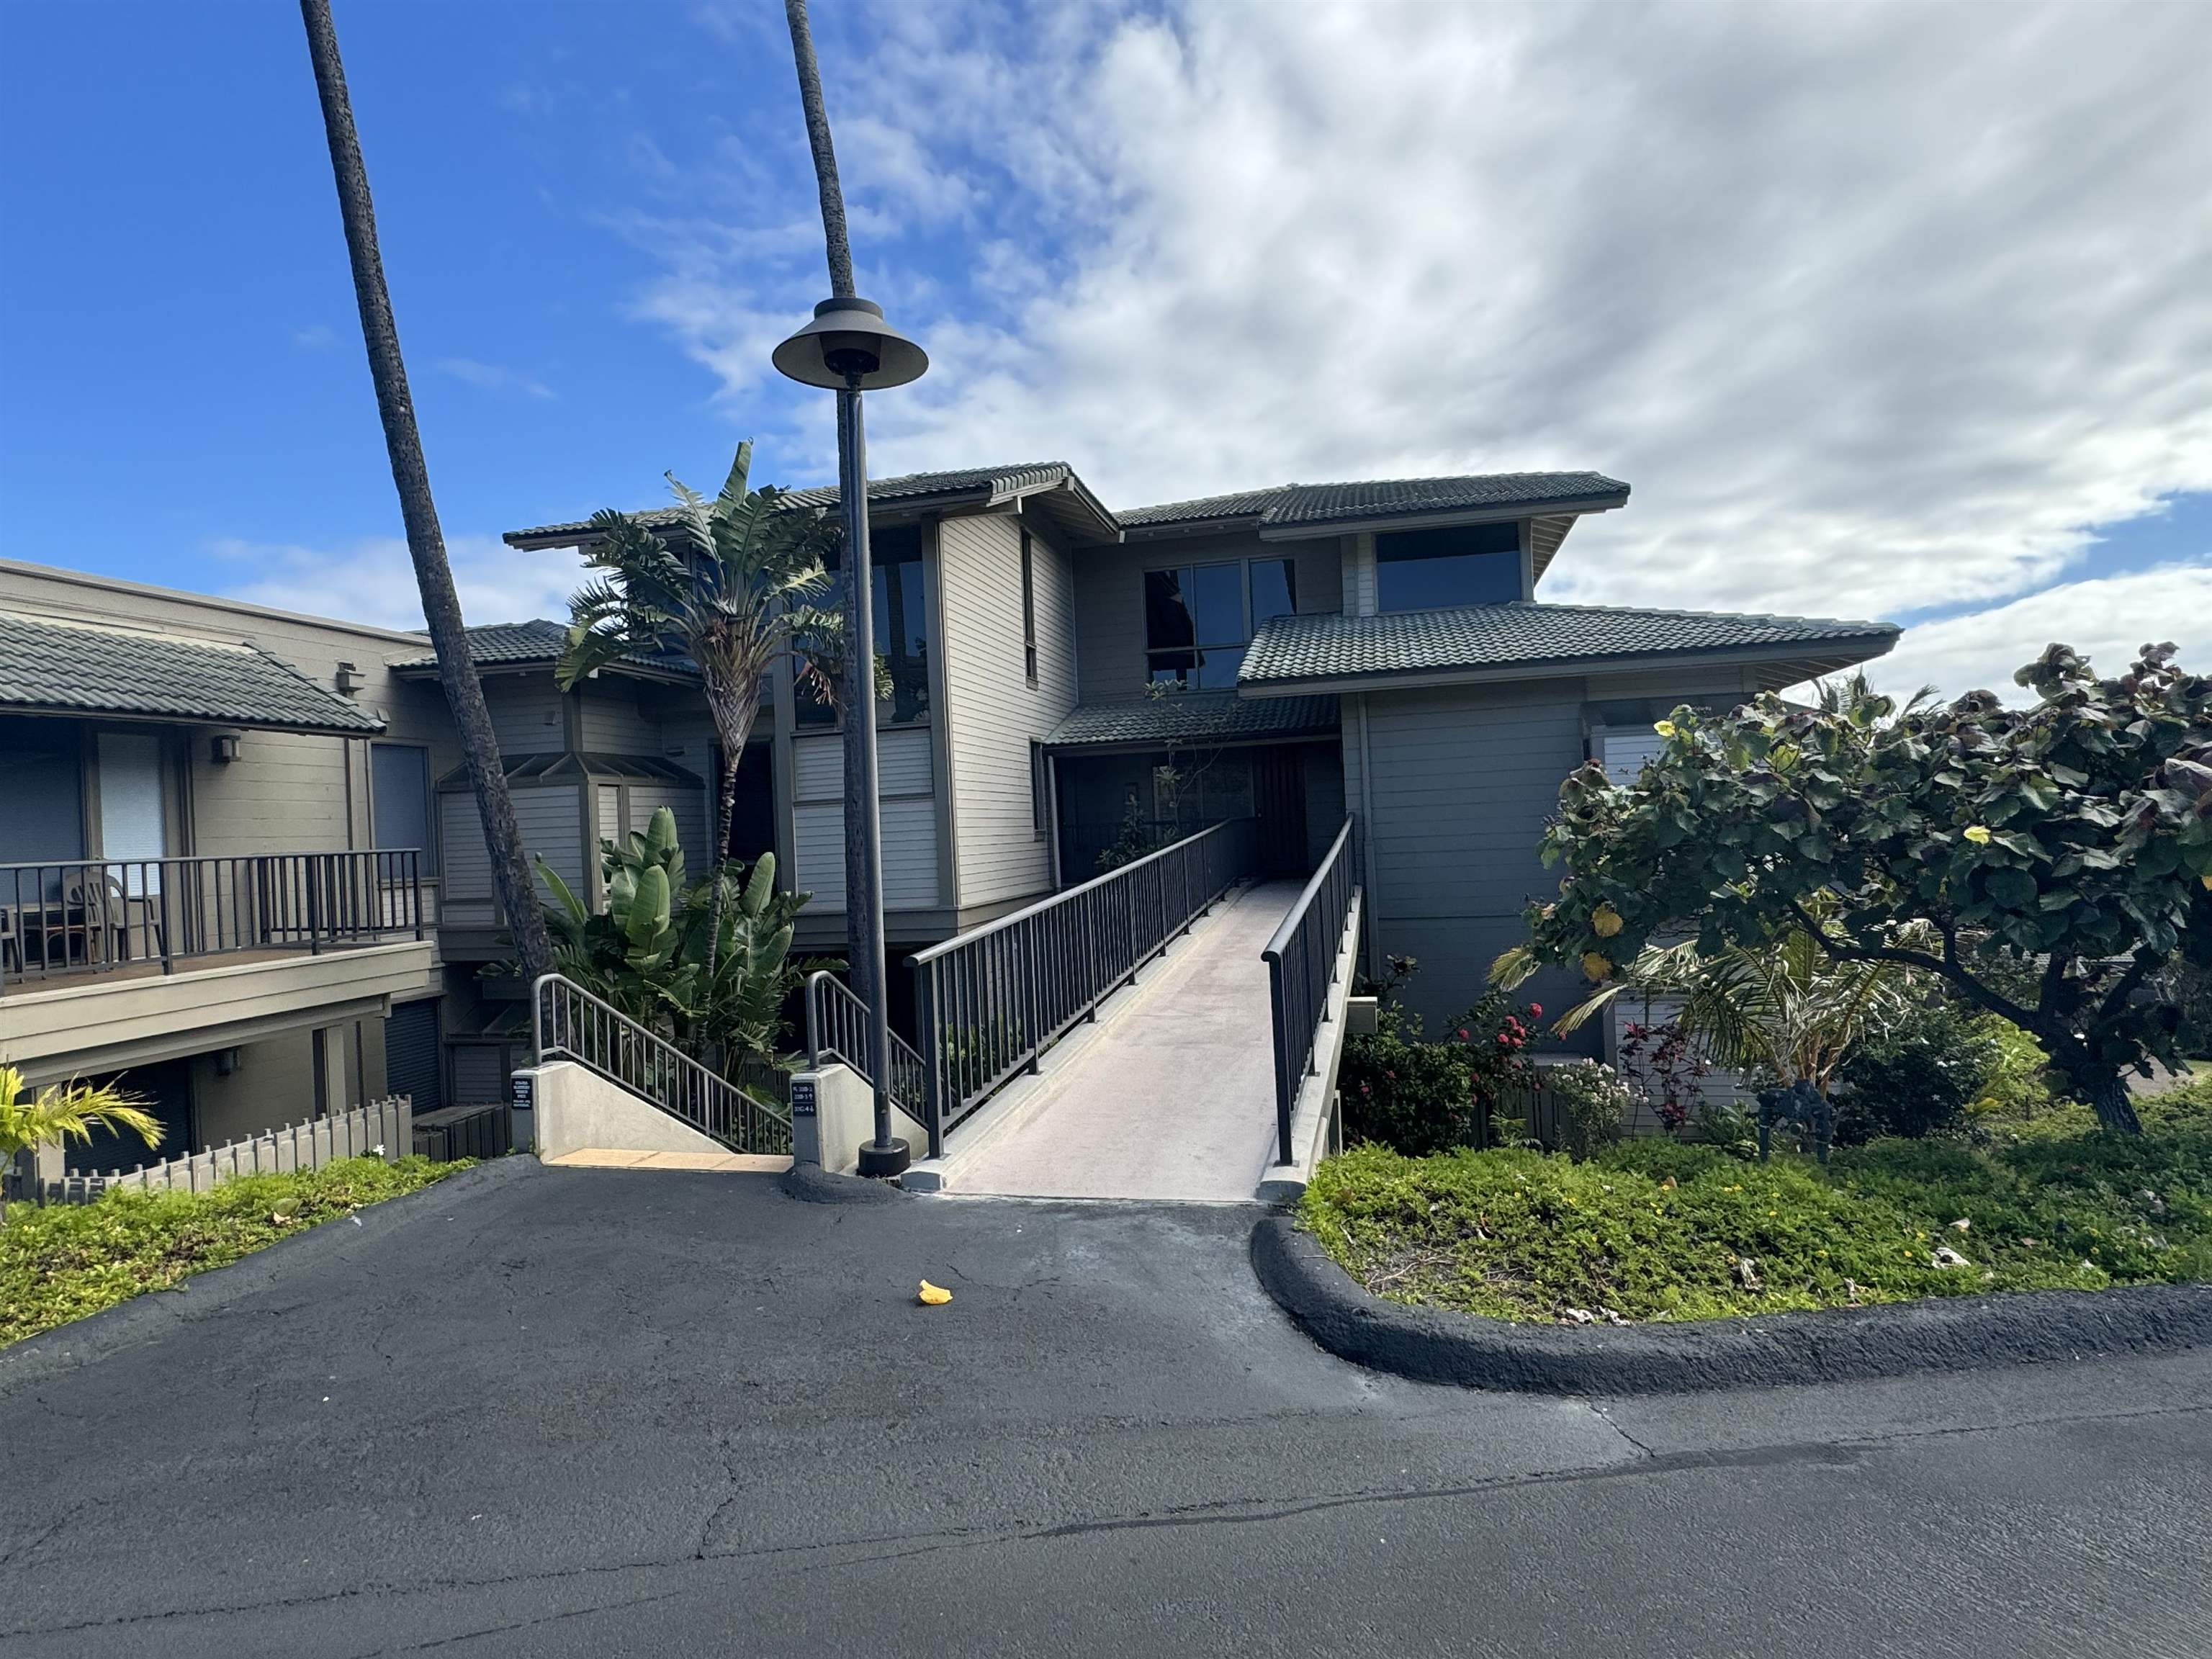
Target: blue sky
x=1953 y=367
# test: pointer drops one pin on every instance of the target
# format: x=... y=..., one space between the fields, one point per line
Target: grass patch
x=66 y=1260
x=1654 y=1230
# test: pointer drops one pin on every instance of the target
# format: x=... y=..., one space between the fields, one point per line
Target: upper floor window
x=1029 y=610
x=903 y=633
x=399 y=800
x=1200 y=618
x=1470 y=564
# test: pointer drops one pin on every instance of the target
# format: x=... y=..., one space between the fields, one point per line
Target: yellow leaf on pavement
x=935 y=1296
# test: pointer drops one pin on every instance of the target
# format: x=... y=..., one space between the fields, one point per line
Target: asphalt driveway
x=541 y=1412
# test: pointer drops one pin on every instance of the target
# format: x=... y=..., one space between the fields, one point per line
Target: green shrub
x=66 y=1260
x=1402 y=1091
x=1597 y=1104
x=1915 y=1077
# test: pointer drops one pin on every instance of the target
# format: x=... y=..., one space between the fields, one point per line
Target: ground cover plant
x=66 y=1260
x=1655 y=1230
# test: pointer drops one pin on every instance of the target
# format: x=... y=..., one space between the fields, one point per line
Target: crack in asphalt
x=1843 y=1453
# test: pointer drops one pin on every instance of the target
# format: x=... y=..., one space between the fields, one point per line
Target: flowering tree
x=2069 y=843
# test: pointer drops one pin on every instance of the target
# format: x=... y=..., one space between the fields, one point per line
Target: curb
x=1960 y=1334
x=810 y=1184
x=126 y=1324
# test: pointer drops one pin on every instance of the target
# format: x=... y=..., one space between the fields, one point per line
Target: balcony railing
x=109 y=915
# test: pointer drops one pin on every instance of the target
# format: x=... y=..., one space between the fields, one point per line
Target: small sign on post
x=802 y=1097
x=522 y=1112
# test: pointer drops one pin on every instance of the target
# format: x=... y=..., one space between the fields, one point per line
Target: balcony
x=114 y=961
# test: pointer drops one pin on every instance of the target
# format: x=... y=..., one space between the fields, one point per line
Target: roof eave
x=1305 y=530
x=1821 y=656
x=368 y=725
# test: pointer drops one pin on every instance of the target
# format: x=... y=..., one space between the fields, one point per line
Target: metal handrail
x=93 y=916
x=993 y=999
x=1301 y=960
x=568 y=1022
x=837 y=1027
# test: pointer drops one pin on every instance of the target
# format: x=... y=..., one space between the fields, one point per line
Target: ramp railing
x=837 y=1026
x=1302 y=961
x=993 y=999
x=569 y=1023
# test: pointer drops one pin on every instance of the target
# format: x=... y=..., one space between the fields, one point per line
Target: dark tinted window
x=1275 y=589
x=902 y=621
x=1423 y=569
x=1198 y=619
x=42 y=806
x=399 y=798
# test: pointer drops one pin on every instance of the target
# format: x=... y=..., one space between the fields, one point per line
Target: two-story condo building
x=1067 y=678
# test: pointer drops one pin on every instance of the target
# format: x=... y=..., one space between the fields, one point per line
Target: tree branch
x=1948 y=969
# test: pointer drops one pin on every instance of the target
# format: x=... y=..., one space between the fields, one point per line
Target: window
x=131 y=823
x=1199 y=618
x=901 y=623
x=1424 y=569
x=1029 y=611
x=42 y=808
x=399 y=801
x=1040 y=790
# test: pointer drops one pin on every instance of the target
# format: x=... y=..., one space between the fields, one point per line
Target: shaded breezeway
x=1173 y=1098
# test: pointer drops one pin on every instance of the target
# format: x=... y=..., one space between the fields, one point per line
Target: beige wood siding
x=995 y=713
x=465 y=859
x=690 y=812
x=526 y=715
x=613 y=724
x=908 y=815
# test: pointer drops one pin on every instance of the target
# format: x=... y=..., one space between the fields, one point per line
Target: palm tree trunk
x=860 y=695
x=425 y=542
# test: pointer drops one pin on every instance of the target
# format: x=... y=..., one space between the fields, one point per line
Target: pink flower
x=1536 y=1010
x=1462 y=1033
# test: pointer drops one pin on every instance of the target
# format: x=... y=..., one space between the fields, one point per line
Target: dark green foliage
x=1659 y=1230
x=1917 y=1076
x=69 y=1260
x=2075 y=837
x=1420 y=1096
x=1404 y=1092
x=708 y=969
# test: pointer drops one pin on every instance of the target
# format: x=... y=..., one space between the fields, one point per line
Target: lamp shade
x=850 y=336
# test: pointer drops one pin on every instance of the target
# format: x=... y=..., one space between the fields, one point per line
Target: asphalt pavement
x=546 y=1412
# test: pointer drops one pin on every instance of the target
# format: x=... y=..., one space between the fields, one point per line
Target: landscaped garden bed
x=66 y=1260
x=1656 y=1231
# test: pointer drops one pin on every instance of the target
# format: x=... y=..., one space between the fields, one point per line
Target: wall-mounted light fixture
x=225 y=1061
x=223 y=748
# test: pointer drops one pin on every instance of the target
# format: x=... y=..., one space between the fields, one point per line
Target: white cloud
x=490 y=377
x=2106 y=619
x=374 y=580
x=1875 y=307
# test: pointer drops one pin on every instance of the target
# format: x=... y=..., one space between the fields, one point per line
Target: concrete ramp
x=1171 y=1095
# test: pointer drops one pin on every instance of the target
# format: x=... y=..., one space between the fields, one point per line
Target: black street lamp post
x=850 y=348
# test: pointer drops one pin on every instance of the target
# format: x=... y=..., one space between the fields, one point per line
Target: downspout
x=1367 y=845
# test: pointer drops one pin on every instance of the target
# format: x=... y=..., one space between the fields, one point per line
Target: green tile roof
x=529 y=644
x=1192 y=717
x=59 y=667
x=1529 y=634
x=1292 y=506
x=1281 y=507
x=907 y=488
